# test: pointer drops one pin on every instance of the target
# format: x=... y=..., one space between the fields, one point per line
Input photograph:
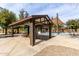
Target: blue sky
x=66 y=11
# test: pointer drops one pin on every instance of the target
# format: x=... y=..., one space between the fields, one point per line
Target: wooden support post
x=41 y=28
x=17 y=30
x=50 y=30
x=32 y=33
x=12 y=31
x=28 y=30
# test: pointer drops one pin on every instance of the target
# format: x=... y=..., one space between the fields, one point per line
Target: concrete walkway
x=20 y=46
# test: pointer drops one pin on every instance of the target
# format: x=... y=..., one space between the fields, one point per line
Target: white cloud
x=66 y=11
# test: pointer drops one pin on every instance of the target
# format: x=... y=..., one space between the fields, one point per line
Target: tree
x=59 y=26
x=23 y=14
x=26 y=14
x=6 y=18
x=72 y=24
x=78 y=23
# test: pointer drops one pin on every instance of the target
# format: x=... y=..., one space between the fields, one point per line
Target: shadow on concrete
x=43 y=38
x=9 y=35
x=39 y=41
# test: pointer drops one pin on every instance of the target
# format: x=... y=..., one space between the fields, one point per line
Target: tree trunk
x=5 y=31
x=76 y=30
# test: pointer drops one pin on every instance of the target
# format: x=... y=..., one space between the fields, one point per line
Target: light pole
x=57 y=24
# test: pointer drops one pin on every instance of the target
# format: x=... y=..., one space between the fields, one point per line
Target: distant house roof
x=54 y=20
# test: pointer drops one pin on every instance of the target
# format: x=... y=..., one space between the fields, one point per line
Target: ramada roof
x=30 y=18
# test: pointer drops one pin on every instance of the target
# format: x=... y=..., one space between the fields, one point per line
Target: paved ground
x=9 y=45
x=20 y=46
x=54 y=50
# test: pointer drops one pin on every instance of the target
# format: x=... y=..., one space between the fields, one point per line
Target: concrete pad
x=20 y=46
